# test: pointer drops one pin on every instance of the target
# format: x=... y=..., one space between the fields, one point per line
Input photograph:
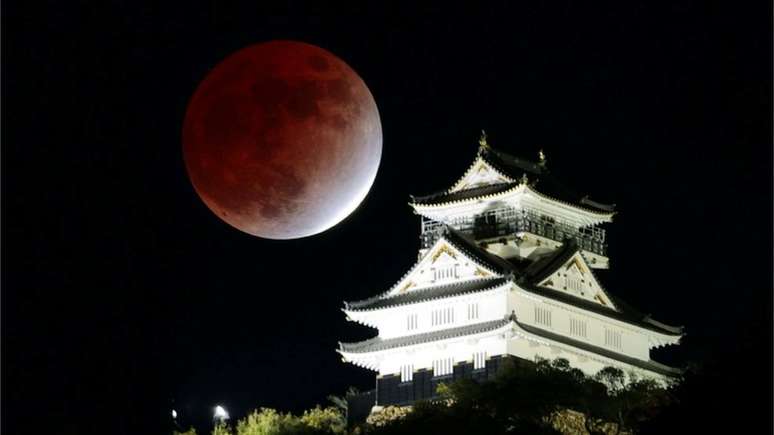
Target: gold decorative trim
x=407 y=286
x=481 y=272
x=577 y=264
x=444 y=249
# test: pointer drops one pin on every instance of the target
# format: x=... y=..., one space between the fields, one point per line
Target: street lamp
x=220 y=414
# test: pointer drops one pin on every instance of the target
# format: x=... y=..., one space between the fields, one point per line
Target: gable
x=442 y=264
x=480 y=174
x=575 y=278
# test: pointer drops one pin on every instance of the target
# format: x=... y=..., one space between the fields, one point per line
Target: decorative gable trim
x=432 y=258
x=576 y=278
x=444 y=249
x=480 y=173
x=442 y=246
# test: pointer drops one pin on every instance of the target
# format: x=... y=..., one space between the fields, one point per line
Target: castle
x=505 y=268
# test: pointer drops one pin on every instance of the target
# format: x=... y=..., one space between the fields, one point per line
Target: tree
x=342 y=402
x=267 y=421
x=328 y=420
x=221 y=429
x=613 y=378
x=535 y=398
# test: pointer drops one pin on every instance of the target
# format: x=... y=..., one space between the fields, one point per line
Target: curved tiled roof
x=377 y=343
x=460 y=195
x=644 y=364
x=544 y=267
x=541 y=269
x=625 y=313
x=467 y=247
x=427 y=294
x=546 y=185
x=528 y=278
x=470 y=248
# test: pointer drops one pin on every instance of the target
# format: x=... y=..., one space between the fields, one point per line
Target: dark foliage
x=525 y=394
x=727 y=391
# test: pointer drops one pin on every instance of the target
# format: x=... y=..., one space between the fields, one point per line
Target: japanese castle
x=506 y=268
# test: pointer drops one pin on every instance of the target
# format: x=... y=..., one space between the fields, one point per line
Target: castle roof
x=377 y=343
x=427 y=294
x=461 y=195
x=625 y=313
x=527 y=276
x=470 y=248
x=533 y=274
x=514 y=168
x=644 y=364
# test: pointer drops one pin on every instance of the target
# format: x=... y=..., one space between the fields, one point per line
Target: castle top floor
x=516 y=204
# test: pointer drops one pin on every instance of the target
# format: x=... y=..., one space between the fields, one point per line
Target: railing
x=508 y=221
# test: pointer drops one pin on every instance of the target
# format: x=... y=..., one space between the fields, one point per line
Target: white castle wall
x=632 y=341
x=458 y=350
x=395 y=322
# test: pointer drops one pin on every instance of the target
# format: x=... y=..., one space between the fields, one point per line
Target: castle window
x=574 y=284
x=479 y=360
x=446 y=272
x=577 y=327
x=443 y=367
x=485 y=226
x=612 y=339
x=472 y=311
x=443 y=316
x=406 y=373
x=543 y=316
x=412 y=321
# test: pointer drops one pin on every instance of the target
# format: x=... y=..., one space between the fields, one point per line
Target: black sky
x=122 y=293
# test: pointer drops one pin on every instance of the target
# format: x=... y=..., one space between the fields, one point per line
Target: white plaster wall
x=392 y=322
x=422 y=356
x=634 y=342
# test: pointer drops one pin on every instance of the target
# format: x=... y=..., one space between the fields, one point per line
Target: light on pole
x=220 y=414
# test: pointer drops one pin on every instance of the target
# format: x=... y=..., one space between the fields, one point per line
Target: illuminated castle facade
x=505 y=268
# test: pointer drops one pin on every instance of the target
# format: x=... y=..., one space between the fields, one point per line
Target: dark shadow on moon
x=227 y=113
x=318 y=63
x=302 y=100
x=339 y=91
x=268 y=90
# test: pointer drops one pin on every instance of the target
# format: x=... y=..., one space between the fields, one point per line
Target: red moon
x=282 y=140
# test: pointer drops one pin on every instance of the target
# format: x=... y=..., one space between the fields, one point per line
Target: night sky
x=123 y=296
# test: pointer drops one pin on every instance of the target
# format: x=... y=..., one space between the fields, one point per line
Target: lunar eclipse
x=282 y=140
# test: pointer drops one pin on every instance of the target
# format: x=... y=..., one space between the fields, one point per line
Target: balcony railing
x=507 y=221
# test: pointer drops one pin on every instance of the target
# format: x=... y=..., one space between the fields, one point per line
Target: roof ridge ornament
x=482 y=143
x=542 y=157
x=524 y=179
